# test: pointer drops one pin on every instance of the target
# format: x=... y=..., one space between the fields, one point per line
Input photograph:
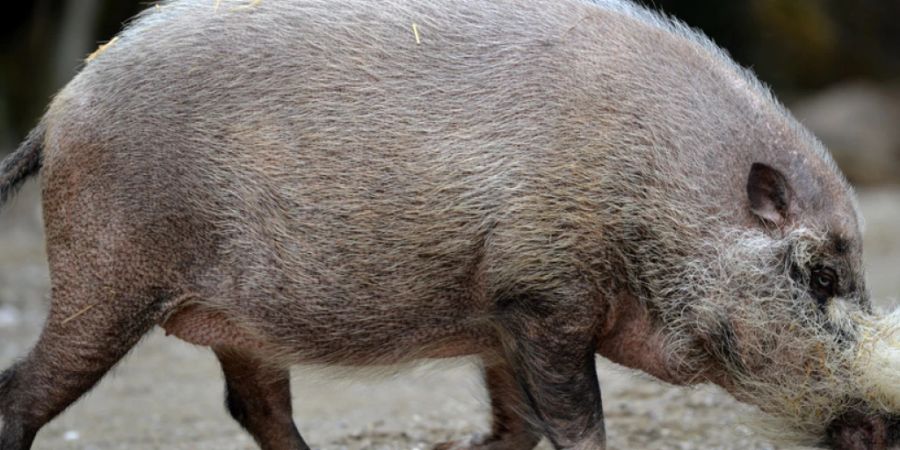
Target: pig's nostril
x=892 y=432
x=844 y=438
x=855 y=431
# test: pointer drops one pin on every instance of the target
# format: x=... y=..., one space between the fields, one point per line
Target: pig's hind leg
x=112 y=272
x=258 y=396
x=90 y=327
x=509 y=428
x=257 y=390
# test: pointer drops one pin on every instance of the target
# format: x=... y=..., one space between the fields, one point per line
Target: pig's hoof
x=482 y=442
x=459 y=445
x=476 y=442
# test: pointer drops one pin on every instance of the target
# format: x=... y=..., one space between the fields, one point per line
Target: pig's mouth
x=857 y=431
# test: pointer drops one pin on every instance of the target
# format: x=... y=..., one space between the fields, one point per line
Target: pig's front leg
x=551 y=349
x=510 y=429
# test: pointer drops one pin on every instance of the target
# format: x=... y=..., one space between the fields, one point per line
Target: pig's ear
x=770 y=194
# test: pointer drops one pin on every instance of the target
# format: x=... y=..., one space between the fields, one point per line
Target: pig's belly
x=337 y=345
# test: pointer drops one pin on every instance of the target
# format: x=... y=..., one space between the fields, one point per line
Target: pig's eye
x=823 y=283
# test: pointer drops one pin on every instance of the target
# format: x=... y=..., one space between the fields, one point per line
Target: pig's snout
x=856 y=431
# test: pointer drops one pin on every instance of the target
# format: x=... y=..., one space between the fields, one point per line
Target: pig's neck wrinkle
x=630 y=338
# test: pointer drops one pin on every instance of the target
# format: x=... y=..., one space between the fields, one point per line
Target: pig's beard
x=736 y=309
x=878 y=361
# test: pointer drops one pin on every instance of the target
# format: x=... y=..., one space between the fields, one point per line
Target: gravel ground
x=168 y=394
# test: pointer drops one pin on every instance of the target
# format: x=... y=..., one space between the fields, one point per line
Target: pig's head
x=775 y=310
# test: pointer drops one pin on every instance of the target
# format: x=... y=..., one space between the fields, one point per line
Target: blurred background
x=835 y=63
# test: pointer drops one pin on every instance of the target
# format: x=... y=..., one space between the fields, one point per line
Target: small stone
x=9 y=316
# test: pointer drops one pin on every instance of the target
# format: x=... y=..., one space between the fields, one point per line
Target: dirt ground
x=168 y=394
